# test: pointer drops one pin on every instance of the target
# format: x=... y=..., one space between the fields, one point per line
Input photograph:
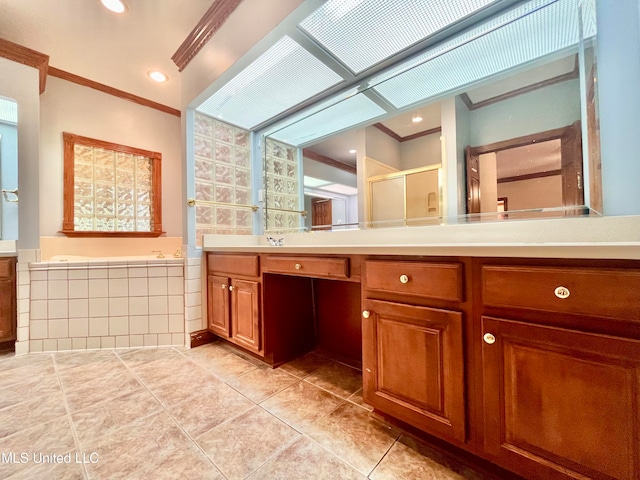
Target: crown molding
x=328 y=161
x=208 y=25
x=26 y=56
x=413 y=136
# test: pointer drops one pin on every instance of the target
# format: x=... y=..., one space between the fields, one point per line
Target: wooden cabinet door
x=413 y=366
x=245 y=314
x=560 y=403
x=218 y=305
x=7 y=310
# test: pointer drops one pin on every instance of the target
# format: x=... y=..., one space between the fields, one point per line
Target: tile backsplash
x=105 y=304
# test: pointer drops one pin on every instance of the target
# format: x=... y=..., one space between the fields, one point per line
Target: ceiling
x=84 y=38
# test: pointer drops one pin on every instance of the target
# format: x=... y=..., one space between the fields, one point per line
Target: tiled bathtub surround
x=106 y=304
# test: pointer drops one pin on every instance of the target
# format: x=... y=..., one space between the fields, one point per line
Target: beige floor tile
x=410 y=459
x=107 y=417
x=305 y=459
x=186 y=463
x=29 y=388
x=128 y=451
x=358 y=400
x=161 y=370
x=66 y=471
x=31 y=413
x=301 y=404
x=100 y=389
x=337 y=378
x=78 y=376
x=243 y=444
x=136 y=357
x=20 y=374
x=66 y=360
x=51 y=437
x=8 y=361
x=220 y=362
x=213 y=405
x=261 y=383
x=183 y=385
x=352 y=434
x=305 y=365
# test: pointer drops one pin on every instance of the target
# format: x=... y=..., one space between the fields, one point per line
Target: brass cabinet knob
x=404 y=279
x=562 y=292
x=366 y=314
x=489 y=338
x=297 y=266
x=224 y=285
x=231 y=288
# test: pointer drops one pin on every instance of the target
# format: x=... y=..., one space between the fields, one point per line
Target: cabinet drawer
x=308 y=266
x=441 y=281
x=6 y=268
x=248 y=265
x=603 y=292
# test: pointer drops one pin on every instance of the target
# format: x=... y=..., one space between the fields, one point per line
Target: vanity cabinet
x=7 y=299
x=233 y=299
x=413 y=353
x=560 y=369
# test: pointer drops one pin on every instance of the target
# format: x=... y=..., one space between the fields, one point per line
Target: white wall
x=421 y=152
x=544 y=192
x=544 y=109
x=67 y=107
x=21 y=83
x=489 y=183
x=312 y=168
x=382 y=147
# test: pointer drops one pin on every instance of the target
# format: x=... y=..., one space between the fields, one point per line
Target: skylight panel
x=363 y=33
x=282 y=77
x=8 y=111
x=485 y=52
x=341 y=116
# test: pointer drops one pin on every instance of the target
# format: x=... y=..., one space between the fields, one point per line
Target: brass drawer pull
x=404 y=279
x=231 y=288
x=489 y=338
x=562 y=292
x=297 y=266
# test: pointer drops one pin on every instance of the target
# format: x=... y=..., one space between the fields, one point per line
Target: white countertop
x=8 y=248
x=576 y=237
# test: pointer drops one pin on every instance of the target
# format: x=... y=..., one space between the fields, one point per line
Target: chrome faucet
x=276 y=242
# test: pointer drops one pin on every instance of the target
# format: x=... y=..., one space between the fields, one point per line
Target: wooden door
x=218 y=305
x=571 y=169
x=560 y=403
x=245 y=314
x=413 y=366
x=8 y=311
x=473 y=181
x=321 y=213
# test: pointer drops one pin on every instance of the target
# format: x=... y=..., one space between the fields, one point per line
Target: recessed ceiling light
x=417 y=118
x=352 y=151
x=117 y=6
x=157 y=76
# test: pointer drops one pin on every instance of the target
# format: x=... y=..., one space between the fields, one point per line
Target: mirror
x=8 y=169
x=508 y=129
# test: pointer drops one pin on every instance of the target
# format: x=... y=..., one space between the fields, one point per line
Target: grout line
x=69 y=418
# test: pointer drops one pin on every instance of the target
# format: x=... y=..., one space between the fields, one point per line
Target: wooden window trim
x=68 y=227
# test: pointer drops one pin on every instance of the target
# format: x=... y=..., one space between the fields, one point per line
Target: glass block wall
x=112 y=191
x=222 y=178
x=282 y=184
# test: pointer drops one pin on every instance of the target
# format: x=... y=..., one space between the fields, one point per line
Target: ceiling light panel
x=537 y=30
x=279 y=79
x=347 y=114
x=362 y=33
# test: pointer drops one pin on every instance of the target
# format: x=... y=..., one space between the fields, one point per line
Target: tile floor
x=204 y=413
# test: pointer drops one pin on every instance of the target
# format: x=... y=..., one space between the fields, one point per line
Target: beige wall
x=545 y=192
x=67 y=107
x=421 y=152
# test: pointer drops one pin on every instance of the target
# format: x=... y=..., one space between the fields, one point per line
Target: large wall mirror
x=497 y=123
x=8 y=169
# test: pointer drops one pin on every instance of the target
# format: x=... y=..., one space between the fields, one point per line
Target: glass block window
x=282 y=186
x=222 y=178
x=110 y=189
